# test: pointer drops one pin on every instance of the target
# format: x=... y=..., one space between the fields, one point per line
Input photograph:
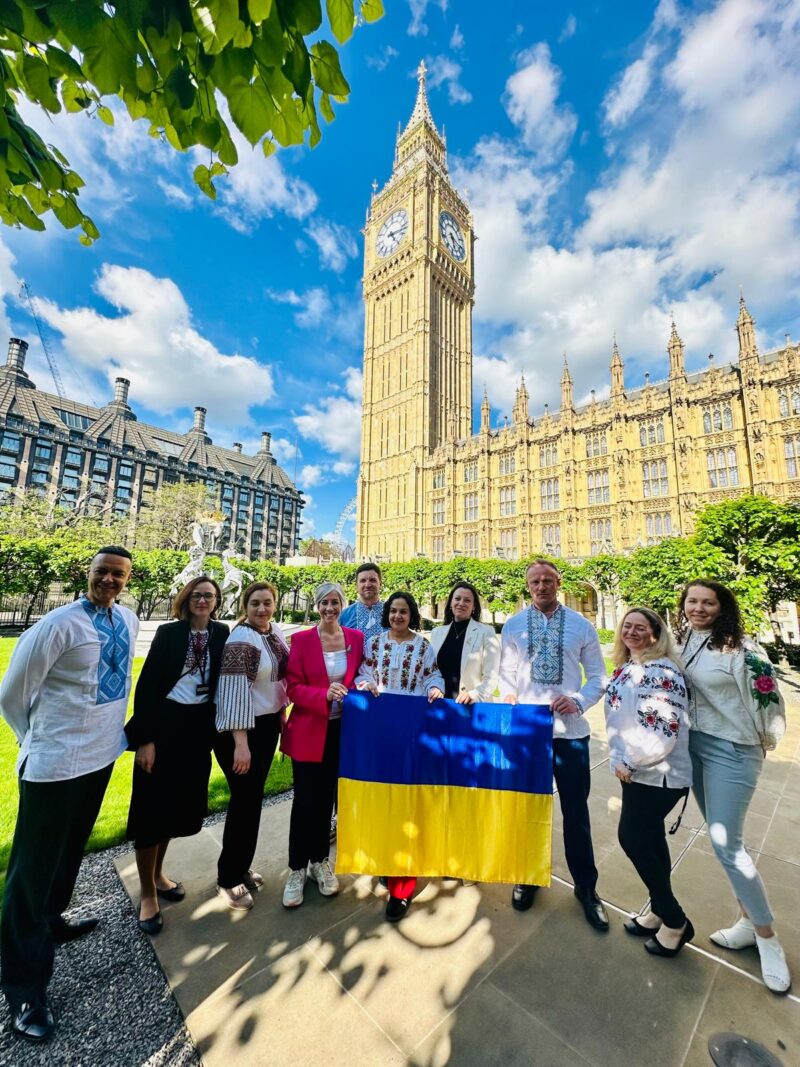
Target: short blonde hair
x=663 y=647
x=325 y=589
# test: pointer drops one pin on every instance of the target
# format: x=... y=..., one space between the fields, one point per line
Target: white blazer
x=480 y=658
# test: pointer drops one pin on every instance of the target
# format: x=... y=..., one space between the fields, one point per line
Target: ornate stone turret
x=520 y=412
x=617 y=373
x=675 y=348
x=746 y=329
x=486 y=412
x=420 y=134
x=566 y=387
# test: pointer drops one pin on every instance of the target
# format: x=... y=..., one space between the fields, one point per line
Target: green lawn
x=110 y=826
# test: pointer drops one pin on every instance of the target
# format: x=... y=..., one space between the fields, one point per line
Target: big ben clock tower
x=418 y=295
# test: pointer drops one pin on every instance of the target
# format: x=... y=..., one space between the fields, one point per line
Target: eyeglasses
x=203 y=596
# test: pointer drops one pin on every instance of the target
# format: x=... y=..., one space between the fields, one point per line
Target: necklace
x=458 y=634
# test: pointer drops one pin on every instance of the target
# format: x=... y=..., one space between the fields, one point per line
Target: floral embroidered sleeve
x=645 y=710
x=367 y=674
x=430 y=676
x=758 y=685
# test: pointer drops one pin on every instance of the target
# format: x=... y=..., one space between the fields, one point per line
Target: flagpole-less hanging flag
x=445 y=789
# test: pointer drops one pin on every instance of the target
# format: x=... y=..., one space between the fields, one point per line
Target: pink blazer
x=306 y=728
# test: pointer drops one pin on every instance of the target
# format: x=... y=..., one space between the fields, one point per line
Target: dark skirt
x=172 y=800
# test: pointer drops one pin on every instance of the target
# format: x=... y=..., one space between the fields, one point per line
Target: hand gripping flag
x=445 y=789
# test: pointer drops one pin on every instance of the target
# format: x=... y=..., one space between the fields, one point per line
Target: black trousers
x=572 y=774
x=312 y=807
x=53 y=825
x=641 y=834
x=242 y=822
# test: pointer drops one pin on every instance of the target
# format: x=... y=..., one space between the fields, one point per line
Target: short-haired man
x=364 y=614
x=545 y=648
x=65 y=696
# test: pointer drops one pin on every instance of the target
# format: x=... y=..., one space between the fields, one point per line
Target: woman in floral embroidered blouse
x=736 y=715
x=648 y=741
x=400 y=661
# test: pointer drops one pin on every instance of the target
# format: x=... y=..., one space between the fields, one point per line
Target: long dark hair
x=476 y=607
x=727 y=630
x=413 y=610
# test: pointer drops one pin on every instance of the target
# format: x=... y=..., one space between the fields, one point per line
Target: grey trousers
x=725 y=776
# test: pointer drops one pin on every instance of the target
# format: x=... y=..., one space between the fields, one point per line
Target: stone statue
x=193 y=569
x=233 y=580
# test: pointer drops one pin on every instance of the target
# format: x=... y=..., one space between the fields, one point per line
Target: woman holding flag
x=399 y=660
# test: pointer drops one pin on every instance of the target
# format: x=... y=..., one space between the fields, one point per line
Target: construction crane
x=37 y=318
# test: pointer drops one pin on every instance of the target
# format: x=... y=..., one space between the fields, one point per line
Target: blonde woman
x=648 y=738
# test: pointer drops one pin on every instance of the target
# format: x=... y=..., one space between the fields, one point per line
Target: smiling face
x=108 y=575
x=399 y=616
x=330 y=607
x=543 y=585
x=368 y=585
x=462 y=605
x=701 y=607
x=202 y=601
x=260 y=609
x=637 y=633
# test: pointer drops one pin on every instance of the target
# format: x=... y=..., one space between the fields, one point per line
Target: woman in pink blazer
x=323 y=663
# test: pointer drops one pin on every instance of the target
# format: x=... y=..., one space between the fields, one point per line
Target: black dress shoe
x=176 y=893
x=64 y=931
x=153 y=925
x=635 y=929
x=522 y=896
x=396 y=908
x=655 y=948
x=34 y=1021
x=593 y=909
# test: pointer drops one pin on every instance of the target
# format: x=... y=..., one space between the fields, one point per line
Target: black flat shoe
x=522 y=897
x=397 y=908
x=64 y=931
x=384 y=882
x=33 y=1021
x=593 y=909
x=153 y=925
x=655 y=948
x=175 y=894
x=635 y=929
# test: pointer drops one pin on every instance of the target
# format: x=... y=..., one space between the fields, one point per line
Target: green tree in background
x=167 y=522
x=189 y=68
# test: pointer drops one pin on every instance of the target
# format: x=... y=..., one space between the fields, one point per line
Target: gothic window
x=723 y=468
x=550 y=495
x=717 y=417
x=796 y=401
x=600 y=536
x=471 y=544
x=471 y=472
x=508 y=543
x=658 y=526
x=791 y=449
x=654 y=478
x=437 y=550
x=548 y=455
x=508 y=463
x=783 y=404
x=651 y=433
x=598 y=483
x=596 y=445
x=470 y=507
x=438 y=478
x=508 y=500
x=789 y=403
x=551 y=539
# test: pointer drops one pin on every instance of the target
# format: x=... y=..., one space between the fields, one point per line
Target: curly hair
x=476 y=606
x=727 y=630
x=414 y=620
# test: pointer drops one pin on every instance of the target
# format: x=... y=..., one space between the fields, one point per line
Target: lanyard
x=199 y=656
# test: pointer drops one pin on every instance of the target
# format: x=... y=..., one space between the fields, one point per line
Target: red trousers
x=402 y=887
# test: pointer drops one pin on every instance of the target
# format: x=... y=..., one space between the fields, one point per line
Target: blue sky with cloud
x=623 y=161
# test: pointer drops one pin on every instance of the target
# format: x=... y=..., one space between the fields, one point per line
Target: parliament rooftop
x=105 y=459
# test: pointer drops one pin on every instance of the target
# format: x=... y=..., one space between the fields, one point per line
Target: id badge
x=202 y=689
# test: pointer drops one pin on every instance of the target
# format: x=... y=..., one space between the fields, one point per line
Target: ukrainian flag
x=445 y=789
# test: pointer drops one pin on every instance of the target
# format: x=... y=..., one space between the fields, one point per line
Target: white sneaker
x=741 y=935
x=322 y=874
x=253 y=880
x=774 y=968
x=293 y=890
x=238 y=898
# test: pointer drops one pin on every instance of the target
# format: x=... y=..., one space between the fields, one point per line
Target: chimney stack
x=266 y=439
x=199 y=420
x=237 y=447
x=121 y=386
x=17 y=350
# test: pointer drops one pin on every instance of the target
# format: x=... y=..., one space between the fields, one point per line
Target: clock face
x=452 y=236
x=392 y=232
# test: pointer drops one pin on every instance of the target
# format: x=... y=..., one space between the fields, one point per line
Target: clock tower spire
x=418 y=296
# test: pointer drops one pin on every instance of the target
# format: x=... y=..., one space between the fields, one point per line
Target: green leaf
x=89 y=228
x=174 y=32
x=179 y=89
x=62 y=64
x=243 y=38
x=37 y=198
x=74 y=96
x=11 y=16
x=226 y=149
x=297 y=66
x=146 y=76
x=202 y=178
x=326 y=107
x=342 y=17
x=269 y=147
x=41 y=86
x=217 y=169
x=206 y=132
x=269 y=41
x=21 y=211
x=326 y=70
x=232 y=65
x=66 y=210
x=106 y=115
x=302 y=15
x=251 y=109
x=259 y=10
x=372 y=10
x=216 y=22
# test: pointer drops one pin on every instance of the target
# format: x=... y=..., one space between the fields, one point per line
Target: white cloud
x=310 y=475
x=344 y=468
x=442 y=70
x=625 y=97
x=9 y=288
x=154 y=342
x=382 y=61
x=531 y=102
x=284 y=450
x=568 y=29
x=174 y=193
x=457 y=38
x=340 y=316
x=335 y=423
x=335 y=243
x=419 y=8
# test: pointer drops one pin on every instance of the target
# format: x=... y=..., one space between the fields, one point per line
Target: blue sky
x=623 y=161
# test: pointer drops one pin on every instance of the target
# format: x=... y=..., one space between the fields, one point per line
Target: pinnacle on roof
x=616 y=359
x=422 y=111
x=565 y=375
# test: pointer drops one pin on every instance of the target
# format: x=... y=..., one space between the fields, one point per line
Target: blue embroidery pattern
x=112 y=668
x=546 y=646
x=367 y=620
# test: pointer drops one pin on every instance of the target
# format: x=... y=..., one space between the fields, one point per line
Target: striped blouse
x=251 y=680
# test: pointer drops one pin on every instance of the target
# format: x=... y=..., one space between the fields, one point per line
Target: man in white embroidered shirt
x=65 y=696
x=544 y=648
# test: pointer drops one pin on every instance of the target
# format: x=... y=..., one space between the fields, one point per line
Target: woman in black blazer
x=172 y=731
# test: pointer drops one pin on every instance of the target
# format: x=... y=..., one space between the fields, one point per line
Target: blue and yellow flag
x=445 y=789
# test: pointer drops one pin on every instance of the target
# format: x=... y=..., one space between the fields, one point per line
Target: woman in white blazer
x=467 y=651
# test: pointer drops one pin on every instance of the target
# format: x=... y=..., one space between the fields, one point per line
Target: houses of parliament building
x=607 y=476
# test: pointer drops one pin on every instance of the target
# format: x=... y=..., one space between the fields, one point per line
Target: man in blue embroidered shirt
x=546 y=649
x=65 y=696
x=365 y=613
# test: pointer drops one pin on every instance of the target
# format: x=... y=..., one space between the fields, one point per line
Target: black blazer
x=162 y=669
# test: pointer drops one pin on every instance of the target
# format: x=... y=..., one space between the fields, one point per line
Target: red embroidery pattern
x=241 y=658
